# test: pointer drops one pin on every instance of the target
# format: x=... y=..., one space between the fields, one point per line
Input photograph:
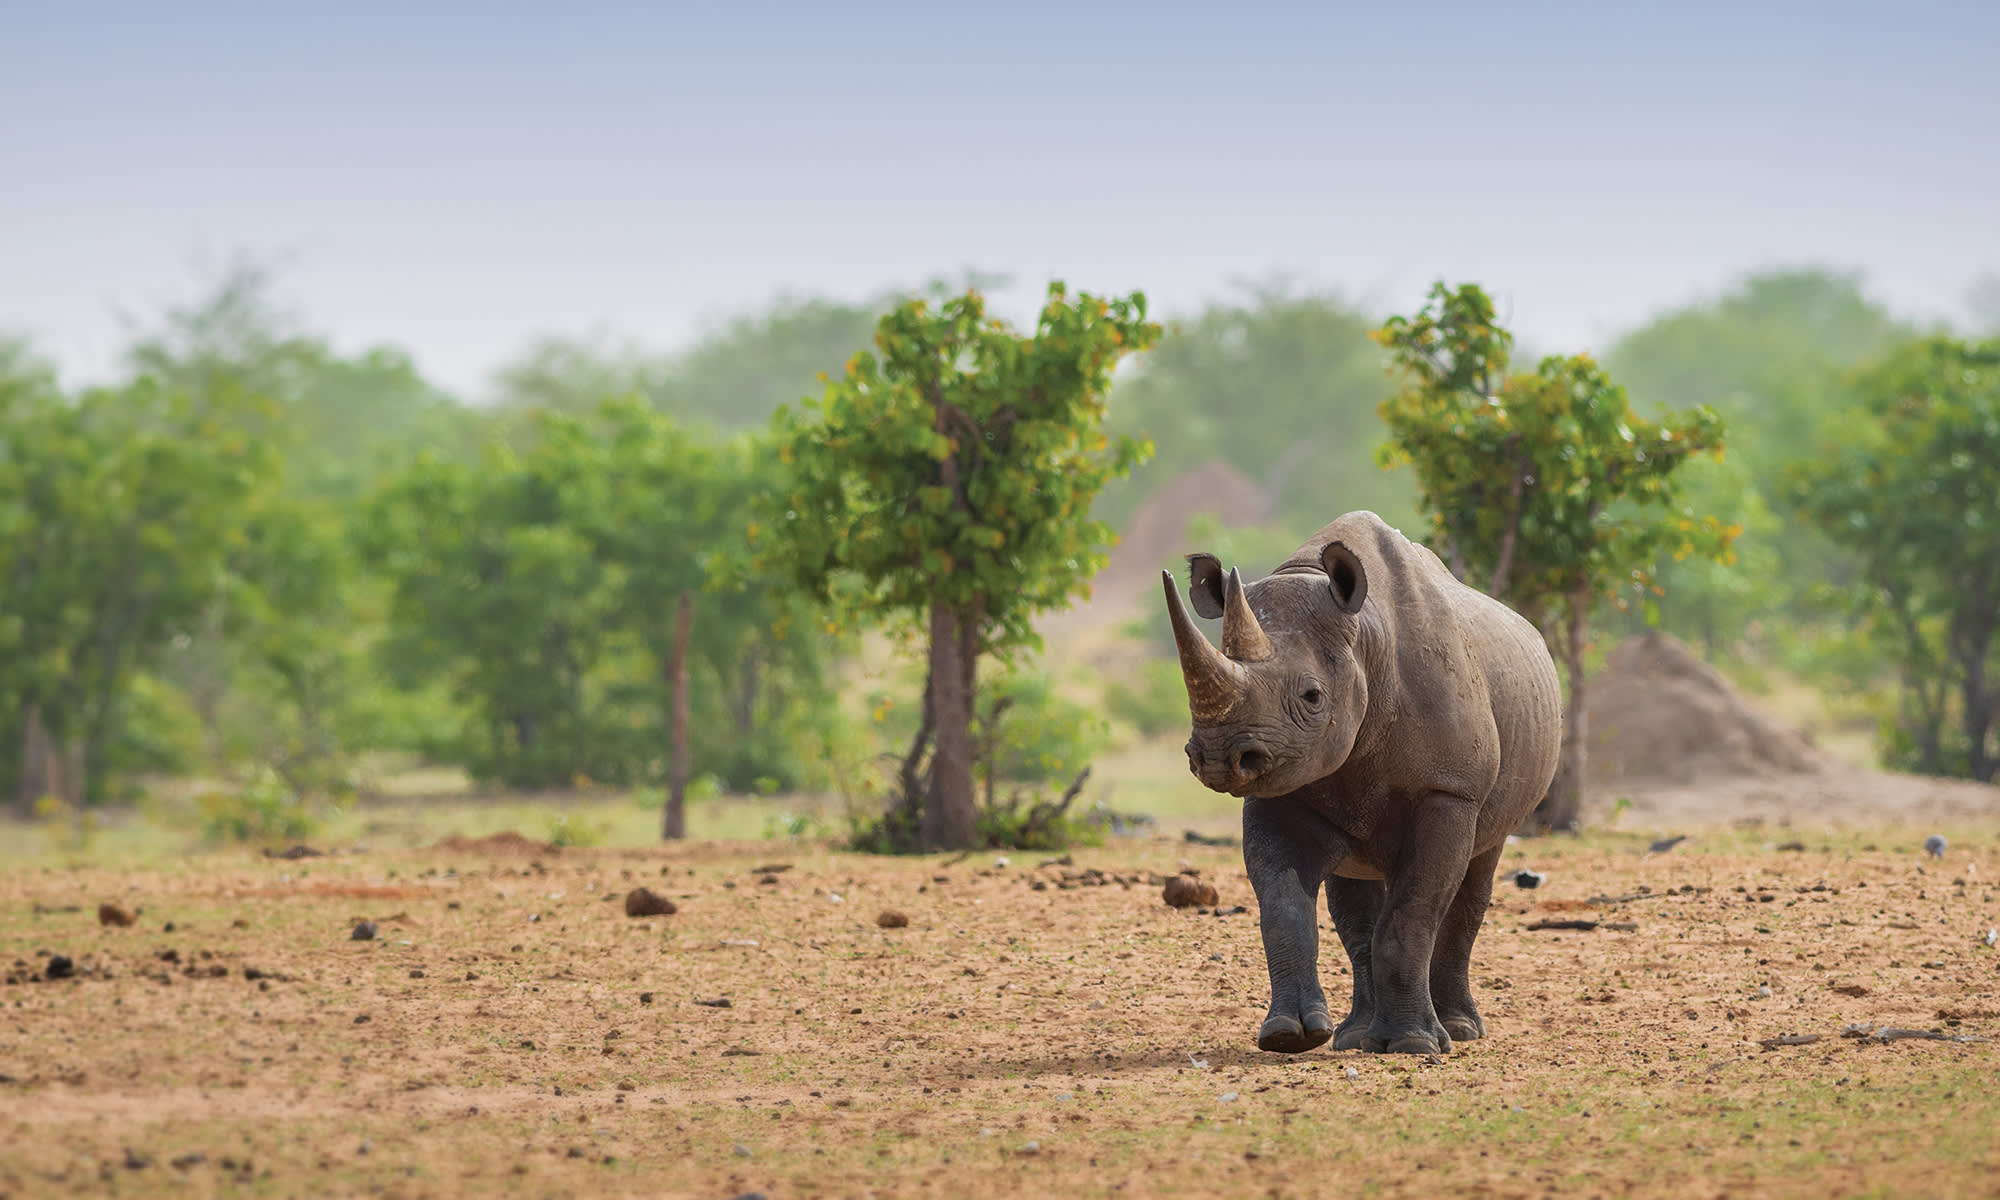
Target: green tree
x=1771 y=355
x=663 y=504
x=1543 y=488
x=1912 y=490
x=944 y=485
x=495 y=588
x=547 y=581
x=118 y=511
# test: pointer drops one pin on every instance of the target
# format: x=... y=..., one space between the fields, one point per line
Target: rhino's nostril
x=1250 y=763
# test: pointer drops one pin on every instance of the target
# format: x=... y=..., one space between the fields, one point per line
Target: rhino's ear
x=1205 y=584
x=1346 y=575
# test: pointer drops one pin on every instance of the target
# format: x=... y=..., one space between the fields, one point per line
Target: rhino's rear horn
x=1213 y=682
x=1243 y=636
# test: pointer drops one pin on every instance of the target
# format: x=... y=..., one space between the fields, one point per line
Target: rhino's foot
x=1464 y=1025
x=1352 y=1031
x=1384 y=1039
x=1285 y=1034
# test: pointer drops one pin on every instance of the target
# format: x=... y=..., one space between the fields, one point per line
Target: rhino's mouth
x=1237 y=767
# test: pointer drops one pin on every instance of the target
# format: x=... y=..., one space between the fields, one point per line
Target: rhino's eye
x=1311 y=697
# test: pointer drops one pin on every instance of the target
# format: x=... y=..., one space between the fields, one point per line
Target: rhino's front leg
x=1426 y=876
x=1288 y=851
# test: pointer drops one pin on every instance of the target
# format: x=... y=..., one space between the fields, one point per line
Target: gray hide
x=1386 y=727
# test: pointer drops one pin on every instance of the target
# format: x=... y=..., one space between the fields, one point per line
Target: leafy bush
x=1025 y=733
x=1020 y=823
x=263 y=809
x=568 y=829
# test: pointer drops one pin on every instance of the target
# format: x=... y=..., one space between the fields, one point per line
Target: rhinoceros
x=1386 y=728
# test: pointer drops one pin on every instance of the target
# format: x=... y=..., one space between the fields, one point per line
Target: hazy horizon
x=457 y=184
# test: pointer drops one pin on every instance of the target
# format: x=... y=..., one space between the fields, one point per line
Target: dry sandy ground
x=510 y=1031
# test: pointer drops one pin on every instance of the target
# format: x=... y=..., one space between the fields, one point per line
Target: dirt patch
x=507 y=844
x=1660 y=716
x=524 y=1037
x=333 y=888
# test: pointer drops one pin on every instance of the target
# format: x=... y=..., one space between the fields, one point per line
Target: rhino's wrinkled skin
x=1386 y=727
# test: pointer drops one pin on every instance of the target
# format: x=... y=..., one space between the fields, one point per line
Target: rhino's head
x=1278 y=706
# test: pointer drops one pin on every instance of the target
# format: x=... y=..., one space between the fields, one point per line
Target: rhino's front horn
x=1213 y=682
x=1242 y=634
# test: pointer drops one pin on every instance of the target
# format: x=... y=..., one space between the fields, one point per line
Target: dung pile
x=1660 y=716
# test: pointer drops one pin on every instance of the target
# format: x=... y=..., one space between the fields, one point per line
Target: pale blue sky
x=456 y=178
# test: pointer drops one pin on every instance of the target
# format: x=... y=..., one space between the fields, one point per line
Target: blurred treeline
x=256 y=553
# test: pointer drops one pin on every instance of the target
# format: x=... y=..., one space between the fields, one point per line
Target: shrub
x=263 y=809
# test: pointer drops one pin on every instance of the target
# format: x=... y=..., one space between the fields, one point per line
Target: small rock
x=59 y=967
x=717 y=1002
x=645 y=902
x=111 y=914
x=834 y=898
x=741 y=1150
x=185 y=1161
x=645 y=997
x=889 y=918
x=135 y=1161
x=1031 y=1148
x=1351 y=1073
x=1229 y=1097
x=364 y=932
x=1992 y=937
x=1185 y=891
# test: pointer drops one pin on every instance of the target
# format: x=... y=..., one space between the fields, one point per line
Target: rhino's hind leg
x=1287 y=852
x=1422 y=886
x=1451 y=960
x=1354 y=904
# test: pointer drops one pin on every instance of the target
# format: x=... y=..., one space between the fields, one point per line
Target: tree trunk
x=41 y=766
x=1970 y=639
x=1504 y=566
x=1560 y=808
x=677 y=683
x=748 y=677
x=951 y=809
